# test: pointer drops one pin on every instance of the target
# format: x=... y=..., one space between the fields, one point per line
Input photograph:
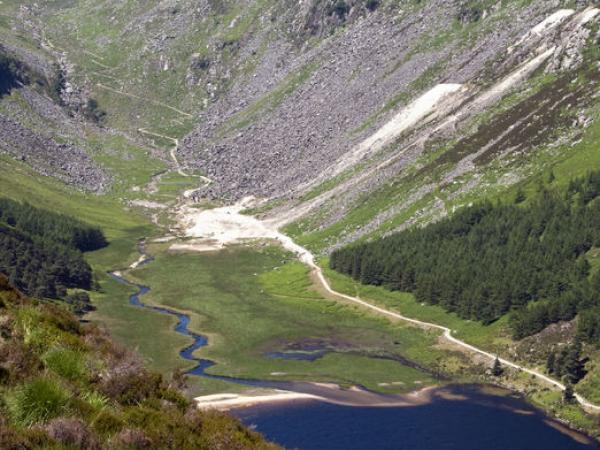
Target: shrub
x=97 y=339
x=340 y=8
x=107 y=423
x=57 y=84
x=219 y=431
x=18 y=362
x=96 y=400
x=37 y=401
x=146 y=416
x=134 y=439
x=72 y=433
x=372 y=5
x=12 y=74
x=4 y=375
x=79 y=302
x=28 y=438
x=132 y=387
x=78 y=407
x=175 y=397
x=93 y=112
x=62 y=319
x=67 y=363
x=8 y=437
x=469 y=14
x=34 y=334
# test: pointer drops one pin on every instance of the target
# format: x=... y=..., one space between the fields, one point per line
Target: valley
x=228 y=152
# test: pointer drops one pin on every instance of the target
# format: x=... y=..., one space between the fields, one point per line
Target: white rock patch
x=552 y=21
x=421 y=110
x=587 y=15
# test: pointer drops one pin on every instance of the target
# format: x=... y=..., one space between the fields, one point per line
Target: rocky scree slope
x=185 y=53
x=487 y=94
x=37 y=84
x=268 y=144
x=66 y=162
x=417 y=105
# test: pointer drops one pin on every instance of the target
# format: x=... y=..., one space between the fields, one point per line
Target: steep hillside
x=67 y=385
x=445 y=101
x=487 y=260
x=41 y=252
x=321 y=114
x=518 y=119
x=37 y=84
x=323 y=104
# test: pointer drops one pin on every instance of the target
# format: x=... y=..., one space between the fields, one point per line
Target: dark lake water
x=481 y=422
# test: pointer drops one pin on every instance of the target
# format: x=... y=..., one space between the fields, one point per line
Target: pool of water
x=479 y=421
x=297 y=355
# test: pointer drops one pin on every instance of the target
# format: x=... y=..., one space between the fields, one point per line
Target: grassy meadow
x=252 y=301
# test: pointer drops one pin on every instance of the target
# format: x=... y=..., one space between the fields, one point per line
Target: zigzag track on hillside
x=172 y=152
x=137 y=97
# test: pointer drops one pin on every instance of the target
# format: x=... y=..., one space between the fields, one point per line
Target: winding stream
x=199 y=341
x=349 y=398
x=183 y=321
x=482 y=417
x=357 y=397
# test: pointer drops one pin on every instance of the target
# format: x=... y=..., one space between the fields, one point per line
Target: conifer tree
x=568 y=393
x=550 y=362
x=497 y=368
x=490 y=259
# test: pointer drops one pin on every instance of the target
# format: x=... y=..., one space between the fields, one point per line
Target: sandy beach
x=324 y=392
x=227 y=401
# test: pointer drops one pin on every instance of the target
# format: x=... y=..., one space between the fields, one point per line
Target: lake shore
x=227 y=401
x=323 y=392
x=496 y=419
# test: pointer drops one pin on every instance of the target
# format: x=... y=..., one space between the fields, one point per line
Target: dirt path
x=172 y=152
x=220 y=227
x=48 y=45
x=137 y=97
x=307 y=258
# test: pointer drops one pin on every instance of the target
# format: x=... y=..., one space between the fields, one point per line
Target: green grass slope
x=64 y=385
x=252 y=302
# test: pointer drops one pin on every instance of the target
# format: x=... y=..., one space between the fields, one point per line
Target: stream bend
x=358 y=396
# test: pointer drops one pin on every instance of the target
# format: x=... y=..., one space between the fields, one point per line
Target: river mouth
x=327 y=392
